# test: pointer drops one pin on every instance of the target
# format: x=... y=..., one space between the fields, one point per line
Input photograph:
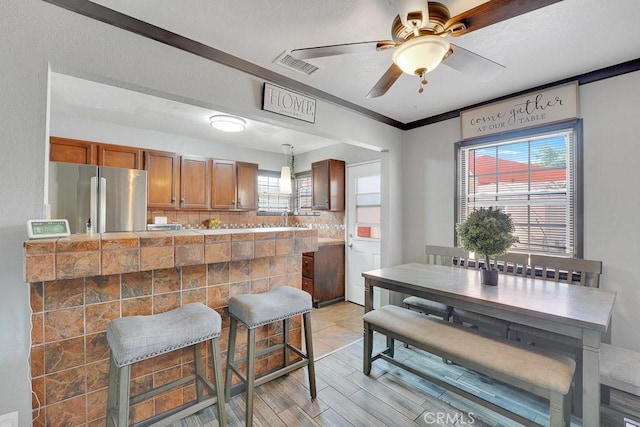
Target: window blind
x=531 y=178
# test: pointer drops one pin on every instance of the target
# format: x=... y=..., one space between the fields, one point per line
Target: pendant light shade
x=285 y=180
x=285 y=172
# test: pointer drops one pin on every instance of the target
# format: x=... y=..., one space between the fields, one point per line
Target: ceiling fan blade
x=341 y=49
x=472 y=64
x=386 y=81
x=495 y=11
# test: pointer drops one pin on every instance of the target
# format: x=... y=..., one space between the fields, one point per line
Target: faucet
x=285 y=218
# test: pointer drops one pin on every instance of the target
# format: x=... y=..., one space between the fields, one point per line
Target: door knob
x=350 y=245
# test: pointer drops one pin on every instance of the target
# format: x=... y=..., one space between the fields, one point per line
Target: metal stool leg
x=251 y=374
x=217 y=372
x=123 y=395
x=231 y=351
x=285 y=339
x=112 y=396
x=309 y=346
x=197 y=360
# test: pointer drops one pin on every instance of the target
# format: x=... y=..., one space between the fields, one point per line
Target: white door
x=363 y=227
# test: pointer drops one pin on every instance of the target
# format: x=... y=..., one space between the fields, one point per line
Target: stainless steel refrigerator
x=114 y=199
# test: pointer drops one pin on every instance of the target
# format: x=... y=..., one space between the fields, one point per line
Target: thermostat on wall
x=43 y=228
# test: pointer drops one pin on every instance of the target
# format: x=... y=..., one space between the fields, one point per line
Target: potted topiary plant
x=487 y=232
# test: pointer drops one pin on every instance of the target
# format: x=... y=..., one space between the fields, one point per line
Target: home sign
x=292 y=104
x=537 y=108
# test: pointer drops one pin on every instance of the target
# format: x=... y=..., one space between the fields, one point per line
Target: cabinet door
x=72 y=151
x=223 y=184
x=320 y=179
x=162 y=179
x=336 y=185
x=328 y=185
x=328 y=281
x=119 y=156
x=247 y=184
x=194 y=182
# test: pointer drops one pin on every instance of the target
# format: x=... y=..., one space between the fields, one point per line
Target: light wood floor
x=390 y=396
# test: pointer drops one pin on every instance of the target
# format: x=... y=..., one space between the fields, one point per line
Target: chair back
x=449 y=256
x=574 y=271
x=515 y=264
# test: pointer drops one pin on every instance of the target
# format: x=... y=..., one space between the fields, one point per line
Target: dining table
x=574 y=311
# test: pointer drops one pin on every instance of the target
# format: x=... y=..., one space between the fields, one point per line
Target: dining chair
x=511 y=263
x=574 y=271
x=440 y=255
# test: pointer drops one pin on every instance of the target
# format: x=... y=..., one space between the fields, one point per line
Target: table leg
x=591 y=378
x=368 y=295
x=368 y=334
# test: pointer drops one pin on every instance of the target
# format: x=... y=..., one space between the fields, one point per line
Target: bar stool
x=136 y=338
x=254 y=310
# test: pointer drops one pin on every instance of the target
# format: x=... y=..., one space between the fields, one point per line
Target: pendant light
x=285 y=172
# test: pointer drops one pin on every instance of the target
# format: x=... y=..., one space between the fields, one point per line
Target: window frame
x=272 y=174
x=574 y=125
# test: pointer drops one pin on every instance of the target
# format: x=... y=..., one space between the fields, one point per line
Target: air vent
x=292 y=63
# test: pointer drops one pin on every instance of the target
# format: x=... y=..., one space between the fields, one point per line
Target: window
x=367 y=223
x=303 y=190
x=535 y=176
x=270 y=201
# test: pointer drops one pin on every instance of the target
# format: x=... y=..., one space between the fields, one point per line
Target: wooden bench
x=544 y=374
x=619 y=369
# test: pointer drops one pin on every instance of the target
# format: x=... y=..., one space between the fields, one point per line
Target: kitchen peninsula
x=81 y=282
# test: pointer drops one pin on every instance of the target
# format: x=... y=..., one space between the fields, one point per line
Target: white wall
x=36 y=37
x=611 y=201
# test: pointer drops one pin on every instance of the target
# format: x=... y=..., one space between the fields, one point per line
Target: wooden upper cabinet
x=72 y=151
x=194 y=182
x=328 y=185
x=247 y=185
x=223 y=184
x=119 y=156
x=163 y=180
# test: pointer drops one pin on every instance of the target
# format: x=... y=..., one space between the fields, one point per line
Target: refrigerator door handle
x=93 y=207
x=103 y=205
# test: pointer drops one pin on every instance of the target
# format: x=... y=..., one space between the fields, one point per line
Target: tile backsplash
x=328 y=224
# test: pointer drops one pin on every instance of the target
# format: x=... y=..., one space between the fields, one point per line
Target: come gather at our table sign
x=536 y=108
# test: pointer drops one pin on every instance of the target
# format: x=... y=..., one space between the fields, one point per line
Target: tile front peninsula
x=79 y=283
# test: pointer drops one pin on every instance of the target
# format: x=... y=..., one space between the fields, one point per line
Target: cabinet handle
x=182 y=200
x=173 y=199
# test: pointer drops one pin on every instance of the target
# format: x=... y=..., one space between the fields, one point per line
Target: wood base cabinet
x=323 y=274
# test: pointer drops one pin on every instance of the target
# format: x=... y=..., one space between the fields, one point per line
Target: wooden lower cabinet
x=323 y=274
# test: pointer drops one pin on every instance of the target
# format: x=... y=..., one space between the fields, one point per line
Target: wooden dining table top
x=572 y=305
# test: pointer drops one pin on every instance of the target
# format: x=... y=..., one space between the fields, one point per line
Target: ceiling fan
x=419 y=40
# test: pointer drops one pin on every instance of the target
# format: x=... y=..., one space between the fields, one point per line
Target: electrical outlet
x=9 y=420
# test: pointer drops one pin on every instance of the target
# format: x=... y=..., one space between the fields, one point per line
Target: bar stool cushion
x=136 y=338
x=255 y=310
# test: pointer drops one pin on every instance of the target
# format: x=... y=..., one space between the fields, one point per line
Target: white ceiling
x=84 y=99
x=563 y=40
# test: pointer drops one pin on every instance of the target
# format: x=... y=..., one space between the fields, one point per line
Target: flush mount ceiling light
x=228 y=123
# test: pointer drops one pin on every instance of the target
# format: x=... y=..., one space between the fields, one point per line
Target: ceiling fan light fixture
x=420 y=53
x=227 y=123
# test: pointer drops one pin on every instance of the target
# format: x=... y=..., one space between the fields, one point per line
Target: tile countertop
x=324 y=241
x=84 y=255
